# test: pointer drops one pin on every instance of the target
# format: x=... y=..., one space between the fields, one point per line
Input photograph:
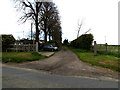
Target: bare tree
x=79 y=28
x=44 y=19
x=55 y=27
x=44 y=15
x=30 y=11
x=88 y=31
x=49 y=19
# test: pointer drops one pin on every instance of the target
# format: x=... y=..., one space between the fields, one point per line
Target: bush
x=7 y=41
x=83 y=42
x=65 y=42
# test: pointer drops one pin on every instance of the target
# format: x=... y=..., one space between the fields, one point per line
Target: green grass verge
x=21 y=57
x=116 y=54
x=106 y=61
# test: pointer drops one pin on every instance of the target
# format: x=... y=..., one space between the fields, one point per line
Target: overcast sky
x=101 y=16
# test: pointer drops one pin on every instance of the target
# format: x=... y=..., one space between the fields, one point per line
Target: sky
x=101 y=16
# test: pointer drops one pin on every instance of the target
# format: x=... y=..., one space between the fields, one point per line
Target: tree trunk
x=45 y=37
x=36 y=23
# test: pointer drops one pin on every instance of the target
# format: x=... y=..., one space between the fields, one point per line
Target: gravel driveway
x=67 y=63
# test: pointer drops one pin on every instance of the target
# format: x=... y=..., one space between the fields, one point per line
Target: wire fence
x=106 y=49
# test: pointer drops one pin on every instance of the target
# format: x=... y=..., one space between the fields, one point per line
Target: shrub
x=65 y=42
x=83 y=42
x=7 y=41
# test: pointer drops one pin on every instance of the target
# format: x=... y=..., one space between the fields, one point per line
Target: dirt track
x=67 y=63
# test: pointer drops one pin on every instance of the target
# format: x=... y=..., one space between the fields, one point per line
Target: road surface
x=14 y=77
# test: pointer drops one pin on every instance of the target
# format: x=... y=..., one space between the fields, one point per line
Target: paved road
x=26 y=78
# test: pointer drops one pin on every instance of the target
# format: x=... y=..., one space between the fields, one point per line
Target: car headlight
x=55 y=48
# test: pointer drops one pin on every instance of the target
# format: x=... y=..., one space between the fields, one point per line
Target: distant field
x=106 y=61
x=111 y=50
x=21 y=57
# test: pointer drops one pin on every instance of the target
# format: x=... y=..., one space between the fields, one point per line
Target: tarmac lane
x=13 y=77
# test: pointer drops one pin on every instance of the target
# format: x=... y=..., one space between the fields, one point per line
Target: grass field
x=109 y=47
x=111 y=50
x=21 y=57
x=106 y=61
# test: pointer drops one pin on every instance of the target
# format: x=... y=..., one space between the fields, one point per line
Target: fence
x=105 y=48
x=22 y=48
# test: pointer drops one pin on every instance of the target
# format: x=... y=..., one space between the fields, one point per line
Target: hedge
x=83 y=42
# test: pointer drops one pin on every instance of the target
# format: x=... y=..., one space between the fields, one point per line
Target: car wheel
x=52 y=50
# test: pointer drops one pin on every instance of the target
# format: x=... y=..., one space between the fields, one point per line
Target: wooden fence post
x=29 y=48
x=36 y=46
x=33 y=45
x=106 y=47
x=95 y=50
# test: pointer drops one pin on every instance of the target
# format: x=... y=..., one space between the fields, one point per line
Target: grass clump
x=21 y=56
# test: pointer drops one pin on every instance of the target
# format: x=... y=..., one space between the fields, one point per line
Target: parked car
x=49 y=48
